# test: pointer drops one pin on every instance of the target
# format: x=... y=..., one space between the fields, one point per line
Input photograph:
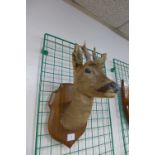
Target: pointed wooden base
x=59 y=101
x=125 y=100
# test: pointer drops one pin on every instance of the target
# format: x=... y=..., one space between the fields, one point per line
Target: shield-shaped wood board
x=59 y=101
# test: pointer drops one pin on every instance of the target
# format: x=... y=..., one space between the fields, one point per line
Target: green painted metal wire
x=56 y=68
x=121 y=70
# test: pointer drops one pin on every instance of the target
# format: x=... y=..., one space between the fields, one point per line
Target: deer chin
x=109 y=95
x=105 y=94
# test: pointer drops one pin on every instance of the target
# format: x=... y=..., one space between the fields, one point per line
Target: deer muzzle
x=110 y=86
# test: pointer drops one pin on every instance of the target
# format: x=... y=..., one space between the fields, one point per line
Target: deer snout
x=110 y=86
x=114 y=86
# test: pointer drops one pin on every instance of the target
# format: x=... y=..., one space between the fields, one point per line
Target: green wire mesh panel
x=56 y=68
x=121 y=70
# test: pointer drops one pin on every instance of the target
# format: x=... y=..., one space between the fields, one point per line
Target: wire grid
x=121 y=70
x=56 y=68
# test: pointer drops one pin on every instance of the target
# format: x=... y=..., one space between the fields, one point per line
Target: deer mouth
x=110 y=88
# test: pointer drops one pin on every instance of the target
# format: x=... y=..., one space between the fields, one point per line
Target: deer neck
x=76 y=115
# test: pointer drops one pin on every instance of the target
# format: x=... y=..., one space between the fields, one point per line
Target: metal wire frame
x=121 y=71
x=56 y=68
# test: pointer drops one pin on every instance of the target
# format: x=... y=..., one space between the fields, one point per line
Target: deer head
x=89 y=78
x=89 y=82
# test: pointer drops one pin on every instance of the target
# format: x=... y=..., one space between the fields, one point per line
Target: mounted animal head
x=89 y=78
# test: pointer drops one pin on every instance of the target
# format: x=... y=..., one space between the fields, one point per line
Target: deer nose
x=114 y=86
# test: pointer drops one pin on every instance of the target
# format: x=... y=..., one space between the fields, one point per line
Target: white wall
x=59 y=18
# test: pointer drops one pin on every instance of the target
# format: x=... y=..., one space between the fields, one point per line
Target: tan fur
x=86 y=86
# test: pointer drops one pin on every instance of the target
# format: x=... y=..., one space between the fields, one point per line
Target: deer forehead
x=95 y=70
x=92 y=64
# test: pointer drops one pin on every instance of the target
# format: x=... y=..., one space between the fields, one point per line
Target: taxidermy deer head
x=89 y=82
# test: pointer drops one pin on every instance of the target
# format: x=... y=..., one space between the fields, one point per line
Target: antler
x=101 y=59
x=86 y=53
x=77 y=58
x=94 y=55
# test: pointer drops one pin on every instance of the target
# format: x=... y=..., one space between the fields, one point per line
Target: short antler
x=86 y=53
x=99 y=60
x=94 y=55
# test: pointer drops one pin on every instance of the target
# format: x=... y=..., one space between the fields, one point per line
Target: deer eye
x=87 y=70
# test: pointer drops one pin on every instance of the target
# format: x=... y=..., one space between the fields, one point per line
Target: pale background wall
x=59 y=18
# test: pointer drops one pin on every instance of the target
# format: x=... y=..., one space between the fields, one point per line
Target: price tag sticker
x=70 y=136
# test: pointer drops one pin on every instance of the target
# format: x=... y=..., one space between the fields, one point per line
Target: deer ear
x=77 y=58
x=104 y=56
x=102 y=59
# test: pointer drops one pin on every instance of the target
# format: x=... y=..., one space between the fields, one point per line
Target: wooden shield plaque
x=59 y=101
x=125 y=100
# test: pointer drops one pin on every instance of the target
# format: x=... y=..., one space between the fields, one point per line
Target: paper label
x=70 y=136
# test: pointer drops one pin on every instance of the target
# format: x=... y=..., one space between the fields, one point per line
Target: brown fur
x=86 y=87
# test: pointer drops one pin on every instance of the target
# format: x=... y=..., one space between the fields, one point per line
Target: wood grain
x=59 y=101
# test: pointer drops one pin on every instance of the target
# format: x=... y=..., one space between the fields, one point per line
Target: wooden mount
x=59 y=101
x=125 y=100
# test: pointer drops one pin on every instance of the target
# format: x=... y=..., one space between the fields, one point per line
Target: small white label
x=70 y=136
